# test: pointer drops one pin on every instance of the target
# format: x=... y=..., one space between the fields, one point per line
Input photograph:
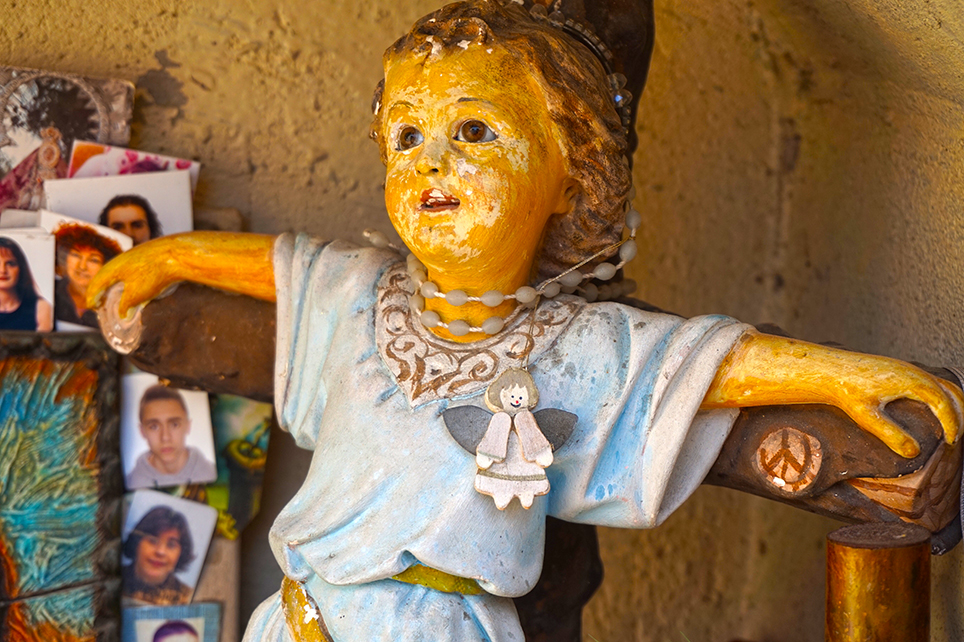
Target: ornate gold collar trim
x=428 y=368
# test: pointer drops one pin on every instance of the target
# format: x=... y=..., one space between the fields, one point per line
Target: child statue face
x=474 y=172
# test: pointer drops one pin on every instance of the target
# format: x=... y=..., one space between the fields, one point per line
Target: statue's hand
x=878 y=381
x=144 y=272
x=767 y=370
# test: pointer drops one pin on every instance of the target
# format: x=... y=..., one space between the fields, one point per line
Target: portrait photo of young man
x=132 y=215
x=142 y=206
x=175 y=455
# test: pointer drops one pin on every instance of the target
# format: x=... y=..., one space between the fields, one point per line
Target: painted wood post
x=878 y=583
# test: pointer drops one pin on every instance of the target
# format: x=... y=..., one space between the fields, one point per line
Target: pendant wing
x=557 y=425
x=467 y=425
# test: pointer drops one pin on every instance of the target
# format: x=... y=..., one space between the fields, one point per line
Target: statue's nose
x=433 y=159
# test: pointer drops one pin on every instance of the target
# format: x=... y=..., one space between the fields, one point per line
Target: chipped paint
x=465 y=168
x=502 y=206
x=870 y=215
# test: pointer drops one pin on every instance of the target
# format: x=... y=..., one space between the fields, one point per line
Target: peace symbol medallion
x=789 y=460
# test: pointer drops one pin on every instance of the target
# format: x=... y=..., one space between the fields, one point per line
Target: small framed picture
x=26 y=281
x=89 y=160
x=241 y=431
x=43 y=113
x=199 y=622
x=166 y=435
x=142 y=206
x=165 y=540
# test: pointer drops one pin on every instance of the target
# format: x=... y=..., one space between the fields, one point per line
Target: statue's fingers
x=95 y=294
x=888 y=431
x=951 y=413
x=945 y=401
x=129 y=298
x=105 y=278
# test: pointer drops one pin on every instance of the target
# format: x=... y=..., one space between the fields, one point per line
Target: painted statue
x=505 y=139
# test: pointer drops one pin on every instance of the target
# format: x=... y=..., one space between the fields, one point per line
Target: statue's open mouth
x=435 y=200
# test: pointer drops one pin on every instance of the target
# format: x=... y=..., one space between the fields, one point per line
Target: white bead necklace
x=568 y=282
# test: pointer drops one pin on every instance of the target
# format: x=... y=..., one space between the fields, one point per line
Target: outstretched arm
x=234 y=262
x=768 y=370
x=199 y=336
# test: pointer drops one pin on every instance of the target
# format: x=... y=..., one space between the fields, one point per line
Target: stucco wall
x=800 y=162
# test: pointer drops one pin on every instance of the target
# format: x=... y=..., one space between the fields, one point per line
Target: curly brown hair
x=75 y=235
x=579 y=99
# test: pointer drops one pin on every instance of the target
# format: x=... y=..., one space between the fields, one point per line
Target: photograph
x=88 y=160
x=143 y=206
x=166 y=434
x=165 y=540
x=199 y=622
x=81 y=252
x=81 y=249
x=26 y=281
x=241 y=430
x=41 y=114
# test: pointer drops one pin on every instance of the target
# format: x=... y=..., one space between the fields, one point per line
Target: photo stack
x=72 y=198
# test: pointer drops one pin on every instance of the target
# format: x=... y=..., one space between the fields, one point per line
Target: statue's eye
x=475 y=131
x=409 y=137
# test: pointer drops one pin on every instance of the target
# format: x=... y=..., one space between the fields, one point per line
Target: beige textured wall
x=800 y=162
x=273 y=97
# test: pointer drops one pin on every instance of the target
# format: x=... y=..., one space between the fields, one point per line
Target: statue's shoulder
x=339 y=259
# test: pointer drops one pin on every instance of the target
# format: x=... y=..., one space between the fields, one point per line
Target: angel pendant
x=513 y=446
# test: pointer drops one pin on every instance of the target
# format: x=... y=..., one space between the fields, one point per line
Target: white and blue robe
x=364 y=386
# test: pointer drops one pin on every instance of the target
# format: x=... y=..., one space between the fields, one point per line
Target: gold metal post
x=878 y=583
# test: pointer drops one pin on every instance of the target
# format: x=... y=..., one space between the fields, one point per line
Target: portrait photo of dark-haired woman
x=21 y=305
x=165 y=541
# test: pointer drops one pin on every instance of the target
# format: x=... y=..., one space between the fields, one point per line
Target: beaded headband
x=622 y=98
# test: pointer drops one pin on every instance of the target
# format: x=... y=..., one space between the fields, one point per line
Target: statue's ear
x=567 y=195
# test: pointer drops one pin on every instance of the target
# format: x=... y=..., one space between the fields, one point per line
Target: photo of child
x=165 y=541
